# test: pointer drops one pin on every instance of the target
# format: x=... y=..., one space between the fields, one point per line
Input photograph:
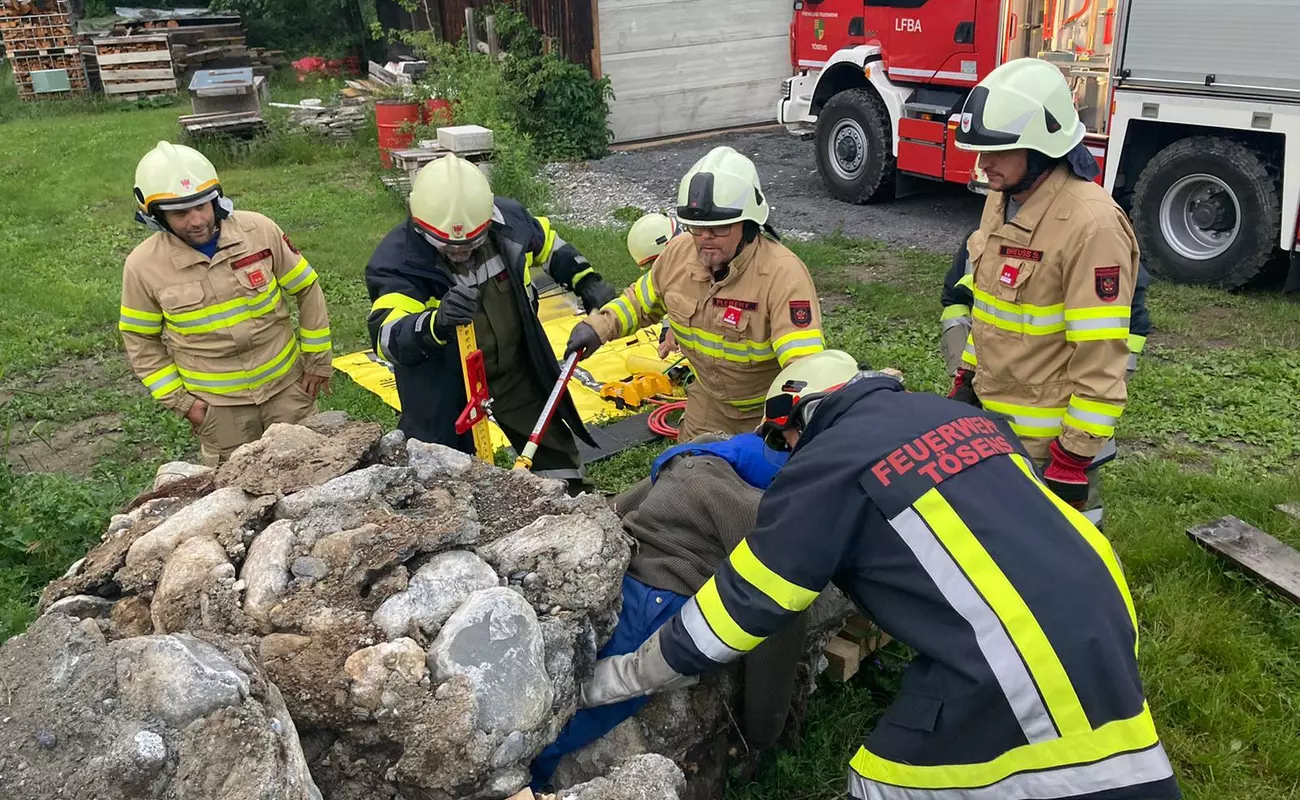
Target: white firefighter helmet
x=810 y=378
x=172 y=177
x=720 y=189
x=451 y=200
x=1023 y=104
x=649 y=236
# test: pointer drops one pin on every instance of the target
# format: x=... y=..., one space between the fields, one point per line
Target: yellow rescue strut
x=475 y=415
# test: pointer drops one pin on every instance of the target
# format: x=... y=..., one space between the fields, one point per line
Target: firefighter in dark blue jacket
x=958 y=298
x=465 y=256
x=929 y=515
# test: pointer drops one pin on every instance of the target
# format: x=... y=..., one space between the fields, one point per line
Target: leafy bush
x=328 y=28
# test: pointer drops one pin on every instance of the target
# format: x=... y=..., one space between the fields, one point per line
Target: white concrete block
x=465 y=138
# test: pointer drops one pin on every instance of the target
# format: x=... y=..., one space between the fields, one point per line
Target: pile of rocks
x=335 y=613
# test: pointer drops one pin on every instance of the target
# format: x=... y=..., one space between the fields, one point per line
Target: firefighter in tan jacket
x=1055 y=266
x=205 y=316
x=740 y=304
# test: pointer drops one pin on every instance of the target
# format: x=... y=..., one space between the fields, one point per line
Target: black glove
x=595 y=293
x=457 y=308
x=583 y=340
x=963 y=388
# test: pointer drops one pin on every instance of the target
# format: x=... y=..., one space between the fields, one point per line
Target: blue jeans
x=645 y=610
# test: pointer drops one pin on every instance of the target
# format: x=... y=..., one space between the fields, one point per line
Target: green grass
x=1213 y=427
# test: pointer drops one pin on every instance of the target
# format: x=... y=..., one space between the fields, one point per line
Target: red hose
x=658 y=420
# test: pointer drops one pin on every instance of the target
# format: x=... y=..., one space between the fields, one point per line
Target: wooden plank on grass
x=1292 y=510
x=1254 y=551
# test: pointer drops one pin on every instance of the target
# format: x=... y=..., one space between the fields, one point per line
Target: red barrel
x=391 y=116
x=437 y=112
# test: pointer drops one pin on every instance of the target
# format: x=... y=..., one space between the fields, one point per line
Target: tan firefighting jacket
x=220 y=329
x=1052 y=295
x=738 y=333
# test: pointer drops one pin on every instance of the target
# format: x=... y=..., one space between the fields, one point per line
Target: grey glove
x=583 y=340
x=636 y=674
x=457 y=308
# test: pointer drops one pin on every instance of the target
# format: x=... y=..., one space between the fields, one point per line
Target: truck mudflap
x=1293 y=275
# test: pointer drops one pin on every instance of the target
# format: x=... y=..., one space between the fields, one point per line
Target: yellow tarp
x=559 y=313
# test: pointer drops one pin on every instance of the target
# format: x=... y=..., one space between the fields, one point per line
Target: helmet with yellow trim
x=794 y=393
x=720 y=189
x=452 y=202
x=173 y=177
x=649 y=236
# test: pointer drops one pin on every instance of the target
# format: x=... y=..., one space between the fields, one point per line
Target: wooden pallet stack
x=135 y=66
x=39 y=41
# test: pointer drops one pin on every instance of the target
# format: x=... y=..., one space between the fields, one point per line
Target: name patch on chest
x=727 y=302
x=1009 y=275
x=1022 y=253
x=250 y=260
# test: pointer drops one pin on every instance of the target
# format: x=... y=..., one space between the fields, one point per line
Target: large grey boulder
x=495 y=642
x=435 y=592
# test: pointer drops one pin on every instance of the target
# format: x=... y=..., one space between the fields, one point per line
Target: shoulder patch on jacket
x=289 y=245
x=801 y=313
x=1106 y=280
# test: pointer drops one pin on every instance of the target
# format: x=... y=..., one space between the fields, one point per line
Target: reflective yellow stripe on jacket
x=133 y=320
x=398 y=306
x=299 y=278
x=224 y=315
x=242 y=380
x=1064 y=751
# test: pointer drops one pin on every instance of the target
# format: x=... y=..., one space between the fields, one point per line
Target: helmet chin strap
x=1036 y=165
x=222 y=207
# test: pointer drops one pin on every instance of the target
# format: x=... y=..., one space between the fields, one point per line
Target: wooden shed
x=677 y=66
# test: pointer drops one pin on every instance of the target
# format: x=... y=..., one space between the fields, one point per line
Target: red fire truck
x=1192 y=108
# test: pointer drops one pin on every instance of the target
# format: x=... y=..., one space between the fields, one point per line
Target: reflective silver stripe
x=270 y=300
x=752 y=351
x=240 y=380
x=703 y=637
x=1109 y=420
x=1132 y=361
x=1101 y=323
x=970 y=266
x=955 y=321
x=999 y=651
x=489 y=269
x=800 y=341
x=1021 y=319
x=1095 y=516
x=322 y=340
x=169 y=377
x=141 y=321
x=386 y=338
x=1116 y=772
x=307 y=274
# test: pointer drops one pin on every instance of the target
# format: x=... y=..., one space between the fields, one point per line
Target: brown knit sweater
x=685 y=526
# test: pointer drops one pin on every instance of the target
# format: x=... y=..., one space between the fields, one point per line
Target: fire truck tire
x=1206 y=210
x=855 y=154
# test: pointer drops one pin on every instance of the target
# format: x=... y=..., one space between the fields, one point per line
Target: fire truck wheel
x=1206 y=211
x=855 y=147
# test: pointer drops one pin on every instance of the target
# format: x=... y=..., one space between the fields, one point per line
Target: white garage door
x=684 y=66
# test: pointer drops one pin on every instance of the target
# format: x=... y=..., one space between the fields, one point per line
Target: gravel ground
x=647 y=178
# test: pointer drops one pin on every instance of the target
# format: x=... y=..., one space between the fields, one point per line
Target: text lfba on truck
x=1192 y=108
